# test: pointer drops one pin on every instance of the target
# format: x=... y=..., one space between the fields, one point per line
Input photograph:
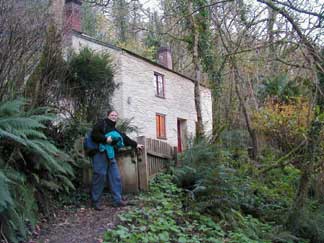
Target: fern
x=126 y=126
x=5 y=197
x=19 y=123
x=32 y=133
x=11 y=107
x=8 y=135
x=29 y=163
x=22 y=207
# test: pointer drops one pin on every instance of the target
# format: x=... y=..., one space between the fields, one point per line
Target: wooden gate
x=154 y=158
x=136 y=171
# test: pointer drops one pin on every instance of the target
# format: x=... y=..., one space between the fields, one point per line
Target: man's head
x=112 y=115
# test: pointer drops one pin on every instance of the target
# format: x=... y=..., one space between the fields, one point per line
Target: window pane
x=159 y=84
x=160 y=126
x=155 y=83
x=162 y=123
x=157 y=125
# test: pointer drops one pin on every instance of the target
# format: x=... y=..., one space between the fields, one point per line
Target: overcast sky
x=152 y=4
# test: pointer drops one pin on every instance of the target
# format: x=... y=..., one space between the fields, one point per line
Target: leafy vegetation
x=284 y=125
x=90 y=84
x=31 y=168
x=259 y=179
x=247 y=197
x=162 y=216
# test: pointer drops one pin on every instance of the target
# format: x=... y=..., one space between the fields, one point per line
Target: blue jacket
x=117 y=140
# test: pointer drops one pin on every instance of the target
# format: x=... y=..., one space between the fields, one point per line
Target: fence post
x=175 y=156
x=143 y=173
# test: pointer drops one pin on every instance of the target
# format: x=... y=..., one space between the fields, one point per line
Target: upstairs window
x=160 y=126
x=159 y=85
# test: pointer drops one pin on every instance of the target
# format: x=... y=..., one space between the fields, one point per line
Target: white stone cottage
x=159 y=100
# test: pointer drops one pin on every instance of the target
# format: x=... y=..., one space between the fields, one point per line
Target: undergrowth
x=160 y=216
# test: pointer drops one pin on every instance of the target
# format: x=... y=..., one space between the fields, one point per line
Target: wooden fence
x=154 y=158
x=137 y=170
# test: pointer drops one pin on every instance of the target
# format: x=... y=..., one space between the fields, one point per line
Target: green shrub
x=208 y=180
x=309 y=224
x=90 y=84
x=161 y=218
x=30 y=167
x=225 y=183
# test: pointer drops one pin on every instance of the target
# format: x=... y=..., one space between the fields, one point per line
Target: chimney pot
x=165 y=57
x=72 y=15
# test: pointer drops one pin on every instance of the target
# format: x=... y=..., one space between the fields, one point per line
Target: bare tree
x=309 y=36
x=101 y=3
x=236 y=34
x=23 y=29
x=196 y=64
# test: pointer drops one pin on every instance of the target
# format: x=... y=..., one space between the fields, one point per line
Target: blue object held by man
x=117 y=141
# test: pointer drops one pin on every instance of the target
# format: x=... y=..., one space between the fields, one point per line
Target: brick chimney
x=72 y=15
x=165 y=57
x=56 y=10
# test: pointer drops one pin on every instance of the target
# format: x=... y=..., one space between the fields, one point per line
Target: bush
x=226 y=185
x=309 y=224
x=90 y=84
x=30 y=167
x=160 y=218
x=209 y=181
x=284 y=125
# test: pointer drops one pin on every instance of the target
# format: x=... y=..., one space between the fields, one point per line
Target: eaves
x=89 y=38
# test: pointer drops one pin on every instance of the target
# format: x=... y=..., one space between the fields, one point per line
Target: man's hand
x=109 y=140
x=140 y=146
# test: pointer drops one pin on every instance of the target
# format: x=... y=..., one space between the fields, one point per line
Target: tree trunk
x=311 y=158
x=196 y=62
x=272 y=48
x=251 y=130
x=302 y=192
x=312 y=153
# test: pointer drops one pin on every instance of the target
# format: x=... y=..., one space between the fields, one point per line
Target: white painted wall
x=136 y=97
x=139 y=86
x=206 y=109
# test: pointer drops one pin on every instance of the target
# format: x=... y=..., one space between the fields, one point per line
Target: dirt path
x=78 y=225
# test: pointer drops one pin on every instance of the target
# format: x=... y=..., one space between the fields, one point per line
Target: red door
x=179 y=136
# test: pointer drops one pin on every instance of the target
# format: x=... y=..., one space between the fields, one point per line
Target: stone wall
x=136 y=97
x=141 y=102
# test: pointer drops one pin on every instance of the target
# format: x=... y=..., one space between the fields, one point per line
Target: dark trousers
x=105 y=169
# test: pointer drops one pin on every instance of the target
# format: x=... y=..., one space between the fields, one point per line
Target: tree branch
x=195 y=11
x=319 y=15
x=100 y=3
x=279 y=163
x=307 y=42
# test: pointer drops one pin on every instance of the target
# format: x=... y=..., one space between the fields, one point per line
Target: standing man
x=104 y=161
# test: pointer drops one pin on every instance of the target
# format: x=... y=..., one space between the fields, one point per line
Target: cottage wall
x=206 y=109
x=135 y=98
x=142 y=103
